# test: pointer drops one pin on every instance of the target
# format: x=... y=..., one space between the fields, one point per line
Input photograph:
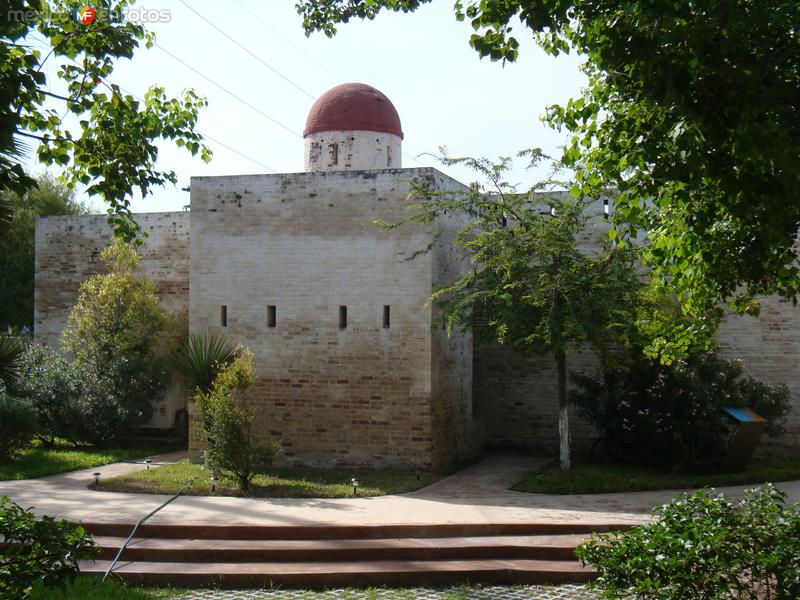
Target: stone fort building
x=351 y=369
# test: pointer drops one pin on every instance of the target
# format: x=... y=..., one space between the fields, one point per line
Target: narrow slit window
x=606 y=208
x=342 y=317
x=333 y=149
x=272 y=317
x=223 y=315
x=387 y=316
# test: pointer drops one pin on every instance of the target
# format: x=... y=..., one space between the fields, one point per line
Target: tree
x=108 y=143
x=118 y=334
x=692 y=114
x=531 y=287
x=49 y=197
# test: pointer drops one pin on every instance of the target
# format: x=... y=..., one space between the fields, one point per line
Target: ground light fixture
x=213 y=483
x=97 y=477
x=354 y=483
x=147 y=462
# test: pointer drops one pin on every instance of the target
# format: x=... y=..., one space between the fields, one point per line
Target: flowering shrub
x=665 y=414
x=704 y=547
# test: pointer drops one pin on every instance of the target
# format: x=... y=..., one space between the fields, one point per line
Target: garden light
x=97 y=477
x=147 y=462
x=354 y=483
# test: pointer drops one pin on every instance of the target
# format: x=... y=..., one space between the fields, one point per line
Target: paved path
x=478 y=494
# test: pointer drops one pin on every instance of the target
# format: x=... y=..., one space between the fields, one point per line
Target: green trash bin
x=747 y=431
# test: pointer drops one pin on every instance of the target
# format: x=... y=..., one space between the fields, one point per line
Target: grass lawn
x=297 y=482
x=38 y=460
x=91 y=588
x=596 y=478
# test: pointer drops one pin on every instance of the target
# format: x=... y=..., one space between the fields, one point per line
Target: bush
x=118 y=332
x=11 y=350
x=38 y=550
x=55 y=389
x=704 y=547
x=665 y=414
x=17 y=424
x=228 y=423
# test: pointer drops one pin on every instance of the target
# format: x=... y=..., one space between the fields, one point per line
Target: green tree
x=109 y=142
x=118 y=333
x=531 y=286
x=692 y=114
x=49 y=197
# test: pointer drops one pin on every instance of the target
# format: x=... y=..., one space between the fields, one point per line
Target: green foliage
x=11 y=350
x=199 y=359
x=229 y=423
x=690 y=115
x=663 y=414
x=704 y=547
x=530 y=286
x=17 y=424
x=55 y=388
x=17 y=247
x=117 y=332
x=113 y=148
x=38 y=550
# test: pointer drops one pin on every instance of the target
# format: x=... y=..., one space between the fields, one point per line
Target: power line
x=289 y=42
x=243 y=47
x=227 y=91
x=205 y=135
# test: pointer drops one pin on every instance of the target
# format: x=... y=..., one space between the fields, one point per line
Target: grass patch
x=597 y=478
x=295 y=482
x=92 y=588
x=39 y=460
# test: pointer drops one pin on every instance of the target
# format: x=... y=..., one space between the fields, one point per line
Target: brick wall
x=68 y=252
x=305 y=244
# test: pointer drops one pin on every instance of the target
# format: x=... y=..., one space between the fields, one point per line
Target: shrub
x=671 y=413
x=38 y=550
x=17 y=424
x=11 y=350
x=228 y=423
x=55 y=388
x=117 y=332
x=704 y=547
x=199 y=359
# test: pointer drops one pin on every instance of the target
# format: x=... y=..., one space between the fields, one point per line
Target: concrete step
x=542 y=547
x=316 y=575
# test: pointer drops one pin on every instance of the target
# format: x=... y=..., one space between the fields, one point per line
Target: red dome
x=353 y=107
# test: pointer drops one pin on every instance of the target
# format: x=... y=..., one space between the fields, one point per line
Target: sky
x=445 y=94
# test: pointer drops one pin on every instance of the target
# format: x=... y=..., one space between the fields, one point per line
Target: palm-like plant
x=11 y=351
x=199 y=358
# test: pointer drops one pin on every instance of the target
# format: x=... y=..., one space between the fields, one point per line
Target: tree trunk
x=563 y=411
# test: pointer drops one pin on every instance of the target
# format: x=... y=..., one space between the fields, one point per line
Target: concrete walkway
x=478 y=494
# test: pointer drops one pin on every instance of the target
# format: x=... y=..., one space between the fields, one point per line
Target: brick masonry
x=404 y=396
x=305 y=243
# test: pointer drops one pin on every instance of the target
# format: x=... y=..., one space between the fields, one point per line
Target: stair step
x=338 y=574
x=319 y=532
x=552 y=547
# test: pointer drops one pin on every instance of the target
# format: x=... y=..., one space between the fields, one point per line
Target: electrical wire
x=246 y=49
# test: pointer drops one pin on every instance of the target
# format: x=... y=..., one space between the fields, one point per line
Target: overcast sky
x=445 y=94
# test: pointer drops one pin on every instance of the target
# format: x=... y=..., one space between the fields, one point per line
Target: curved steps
x=331 y=556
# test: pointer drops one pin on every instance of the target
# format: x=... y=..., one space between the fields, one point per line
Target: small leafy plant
x=17 y=424
x=704 y=547
x=229 y=423
x=38 y=550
